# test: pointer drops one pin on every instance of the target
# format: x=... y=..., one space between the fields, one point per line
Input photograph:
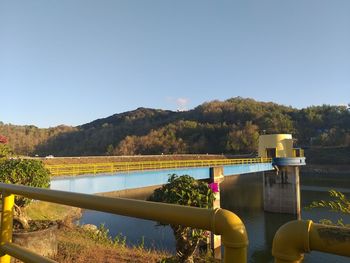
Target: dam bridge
x=278 y=161
x=108 y=177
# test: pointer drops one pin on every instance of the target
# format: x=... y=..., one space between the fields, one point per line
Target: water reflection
x=243 y=194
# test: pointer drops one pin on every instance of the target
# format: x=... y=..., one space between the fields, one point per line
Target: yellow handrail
x=219 y=221
x=95 y=168
x=8 y=201
x=297 y=237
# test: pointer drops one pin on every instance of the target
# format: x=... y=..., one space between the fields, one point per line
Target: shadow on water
x=243 y=195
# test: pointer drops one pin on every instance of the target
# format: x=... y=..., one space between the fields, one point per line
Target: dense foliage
x=185 y=190
x=24 y=172
x=24 y=140
x=230 y=126
x=5 y=150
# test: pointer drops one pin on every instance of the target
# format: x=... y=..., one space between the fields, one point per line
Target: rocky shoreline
x=325 y=169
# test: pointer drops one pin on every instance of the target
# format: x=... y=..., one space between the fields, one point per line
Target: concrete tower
x=282 y=186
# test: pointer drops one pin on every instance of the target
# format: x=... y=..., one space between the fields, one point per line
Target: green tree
x=24 y=172
x=110 y=150
x=128 y=146
x=185 y=190
x=5 y=151
x=245 y=140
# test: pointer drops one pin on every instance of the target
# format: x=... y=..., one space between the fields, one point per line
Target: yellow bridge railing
x=219 y=221
x=95 y=168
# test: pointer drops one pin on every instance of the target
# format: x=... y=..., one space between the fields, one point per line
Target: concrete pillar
x=216 y=176
x=282 y=190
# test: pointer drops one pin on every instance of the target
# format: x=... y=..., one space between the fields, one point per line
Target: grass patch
x=39 y=210
x=79 y=245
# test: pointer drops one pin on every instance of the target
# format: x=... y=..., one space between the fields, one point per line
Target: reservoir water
x=241 y=194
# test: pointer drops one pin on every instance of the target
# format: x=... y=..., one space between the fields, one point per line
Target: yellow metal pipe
x=233 y=235
x=295 y=238
x=6 y=224
x=330 y=239
x=220 y=221
x=24 y=254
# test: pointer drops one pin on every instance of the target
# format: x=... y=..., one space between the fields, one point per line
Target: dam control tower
x=282 y=186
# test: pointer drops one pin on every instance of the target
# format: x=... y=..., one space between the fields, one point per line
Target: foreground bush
x=185 y=190
x=24 y=172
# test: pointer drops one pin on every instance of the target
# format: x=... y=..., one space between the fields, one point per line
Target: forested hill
x=230 y=126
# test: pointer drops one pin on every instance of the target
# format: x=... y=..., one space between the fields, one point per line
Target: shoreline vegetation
x=79 y=244
x=90 y=243
x=326 y=169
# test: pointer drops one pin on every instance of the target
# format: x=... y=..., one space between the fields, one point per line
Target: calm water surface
x=243 y=196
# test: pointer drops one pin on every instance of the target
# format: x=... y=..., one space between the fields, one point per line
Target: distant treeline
x=227 y=127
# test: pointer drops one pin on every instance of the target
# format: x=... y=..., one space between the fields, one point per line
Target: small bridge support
x=216 y=177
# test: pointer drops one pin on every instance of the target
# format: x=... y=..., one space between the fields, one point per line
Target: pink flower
x=206 y=233
x=214 y=187
x=3 y=139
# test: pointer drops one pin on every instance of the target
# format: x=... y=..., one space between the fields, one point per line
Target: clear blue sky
x=70 y=62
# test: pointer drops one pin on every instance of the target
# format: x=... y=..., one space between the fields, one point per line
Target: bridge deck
x=121 y=167
x=91 y=184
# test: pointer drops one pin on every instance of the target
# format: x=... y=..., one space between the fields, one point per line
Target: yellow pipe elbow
x=233 y=235
x=295 y=238
x=291 y=241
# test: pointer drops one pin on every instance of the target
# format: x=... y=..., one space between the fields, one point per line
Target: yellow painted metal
x=24 y=254
x=297 y=237
x=6 y=224
x=283 y=143
x=298 y=152
x=233 y=235
x=220 y=221
x=95 y=168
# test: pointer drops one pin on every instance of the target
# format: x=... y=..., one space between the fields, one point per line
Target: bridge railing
x=95 y=168
x=219 y=221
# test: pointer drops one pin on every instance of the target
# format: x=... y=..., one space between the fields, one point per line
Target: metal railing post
x=6 y=224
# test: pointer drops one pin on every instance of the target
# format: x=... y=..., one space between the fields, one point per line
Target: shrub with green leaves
x=185 y=190
x=24 y=172
x=5 y=150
